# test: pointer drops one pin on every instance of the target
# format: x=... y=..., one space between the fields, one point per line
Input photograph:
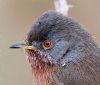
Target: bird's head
x=51 y=39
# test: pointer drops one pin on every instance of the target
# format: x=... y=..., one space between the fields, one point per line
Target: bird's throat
x=42 y=77
x=42 y=69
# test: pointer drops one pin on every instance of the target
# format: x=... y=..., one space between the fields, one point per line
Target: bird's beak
x=23 y=45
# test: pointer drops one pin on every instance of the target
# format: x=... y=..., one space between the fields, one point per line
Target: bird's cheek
x=57 y=55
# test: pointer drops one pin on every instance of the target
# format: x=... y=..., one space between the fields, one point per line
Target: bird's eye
x=47 y=44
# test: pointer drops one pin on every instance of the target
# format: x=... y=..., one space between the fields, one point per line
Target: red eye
x=47 y=44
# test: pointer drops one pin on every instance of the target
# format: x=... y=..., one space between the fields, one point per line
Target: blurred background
x=16 y=17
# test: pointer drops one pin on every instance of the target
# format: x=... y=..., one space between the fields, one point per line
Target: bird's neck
x=42 y=77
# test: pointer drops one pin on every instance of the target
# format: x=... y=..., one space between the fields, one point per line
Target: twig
x=62 y=6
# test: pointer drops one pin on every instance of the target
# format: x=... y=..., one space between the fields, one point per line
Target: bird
x=60 y=51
